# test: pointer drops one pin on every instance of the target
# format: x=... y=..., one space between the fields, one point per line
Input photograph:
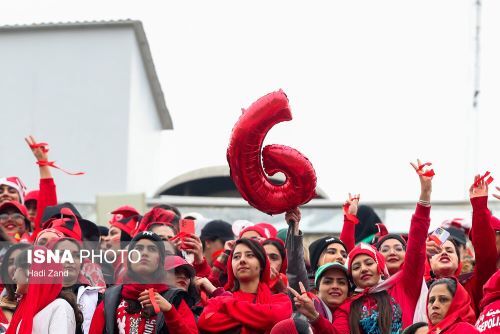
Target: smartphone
x=187 y=226
x=439 y=236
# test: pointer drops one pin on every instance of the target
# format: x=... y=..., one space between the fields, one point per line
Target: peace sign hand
x=304 y=304
x=352 y=204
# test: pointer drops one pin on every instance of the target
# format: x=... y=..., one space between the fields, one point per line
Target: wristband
x=315 y=318
x=424 y=203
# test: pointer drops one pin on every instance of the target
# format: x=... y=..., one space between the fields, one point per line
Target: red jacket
x=250 y=312
x=340 y=324
x=242 y=309
x=489 y=319
x=46 y=197
x=484 y=243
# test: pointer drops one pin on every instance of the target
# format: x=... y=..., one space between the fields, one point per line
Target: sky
x=372 y=85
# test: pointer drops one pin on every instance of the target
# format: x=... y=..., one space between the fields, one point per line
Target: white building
x=91 y=91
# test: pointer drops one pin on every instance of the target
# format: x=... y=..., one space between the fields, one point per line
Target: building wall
x=71 y=89
x=144 y=132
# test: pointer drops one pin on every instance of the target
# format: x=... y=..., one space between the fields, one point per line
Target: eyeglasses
x=13 y=216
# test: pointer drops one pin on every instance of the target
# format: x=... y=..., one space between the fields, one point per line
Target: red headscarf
x=372 y=252
x=491 y=290
x=41 y=292
x=156 y=216
x=460 y=310
x=263 y=291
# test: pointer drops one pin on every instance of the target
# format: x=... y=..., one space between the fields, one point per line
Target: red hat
x=156 y=216
x=70 y=227
x=16 y=206
x=16 y=183
x=369 y=250
x=270 y=230
x=32 y=196
x=124 y=211
x=127 y=225
x=259 y=229
x=174 y=262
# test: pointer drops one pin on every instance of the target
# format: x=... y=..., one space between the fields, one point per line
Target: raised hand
x=479 y=188
x=40 y=152
x=229 y=245
x=294 y=216
x=194 y=246
x=425 y=181
x=351 y=204
x=304 y=304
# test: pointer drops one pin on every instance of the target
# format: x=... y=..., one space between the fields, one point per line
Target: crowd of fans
x=213 y=279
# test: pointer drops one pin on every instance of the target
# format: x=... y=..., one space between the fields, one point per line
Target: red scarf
x=133 y=290
x=460 y=310
x=37 y=297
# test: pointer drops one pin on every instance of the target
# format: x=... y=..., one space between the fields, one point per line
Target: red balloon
x=244 y=157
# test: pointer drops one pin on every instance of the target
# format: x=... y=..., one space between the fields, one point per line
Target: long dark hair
x=70 y=297
x=384 y=308
x=258 y=251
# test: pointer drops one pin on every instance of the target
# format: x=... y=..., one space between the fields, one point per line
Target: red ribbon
x=52 y=164
x=488 y=180
x=153 y=300
x=43 y=146
x=430 y=172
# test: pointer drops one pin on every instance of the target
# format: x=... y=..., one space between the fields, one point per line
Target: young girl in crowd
x=323 y=312
x=128 y=309
x=249 y=305
x=384 y=304
x=44 y=307
x=449 y=308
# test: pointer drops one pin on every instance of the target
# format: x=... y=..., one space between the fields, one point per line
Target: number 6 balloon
x=249 y=174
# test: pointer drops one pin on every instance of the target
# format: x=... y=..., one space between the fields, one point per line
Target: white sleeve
x=62 y=319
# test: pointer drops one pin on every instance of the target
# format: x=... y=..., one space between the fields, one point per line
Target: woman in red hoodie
x=445 y=261
x=489 y=319
x=128 y=308
x=250 y=307
x=449 y=308
x=384 y=303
